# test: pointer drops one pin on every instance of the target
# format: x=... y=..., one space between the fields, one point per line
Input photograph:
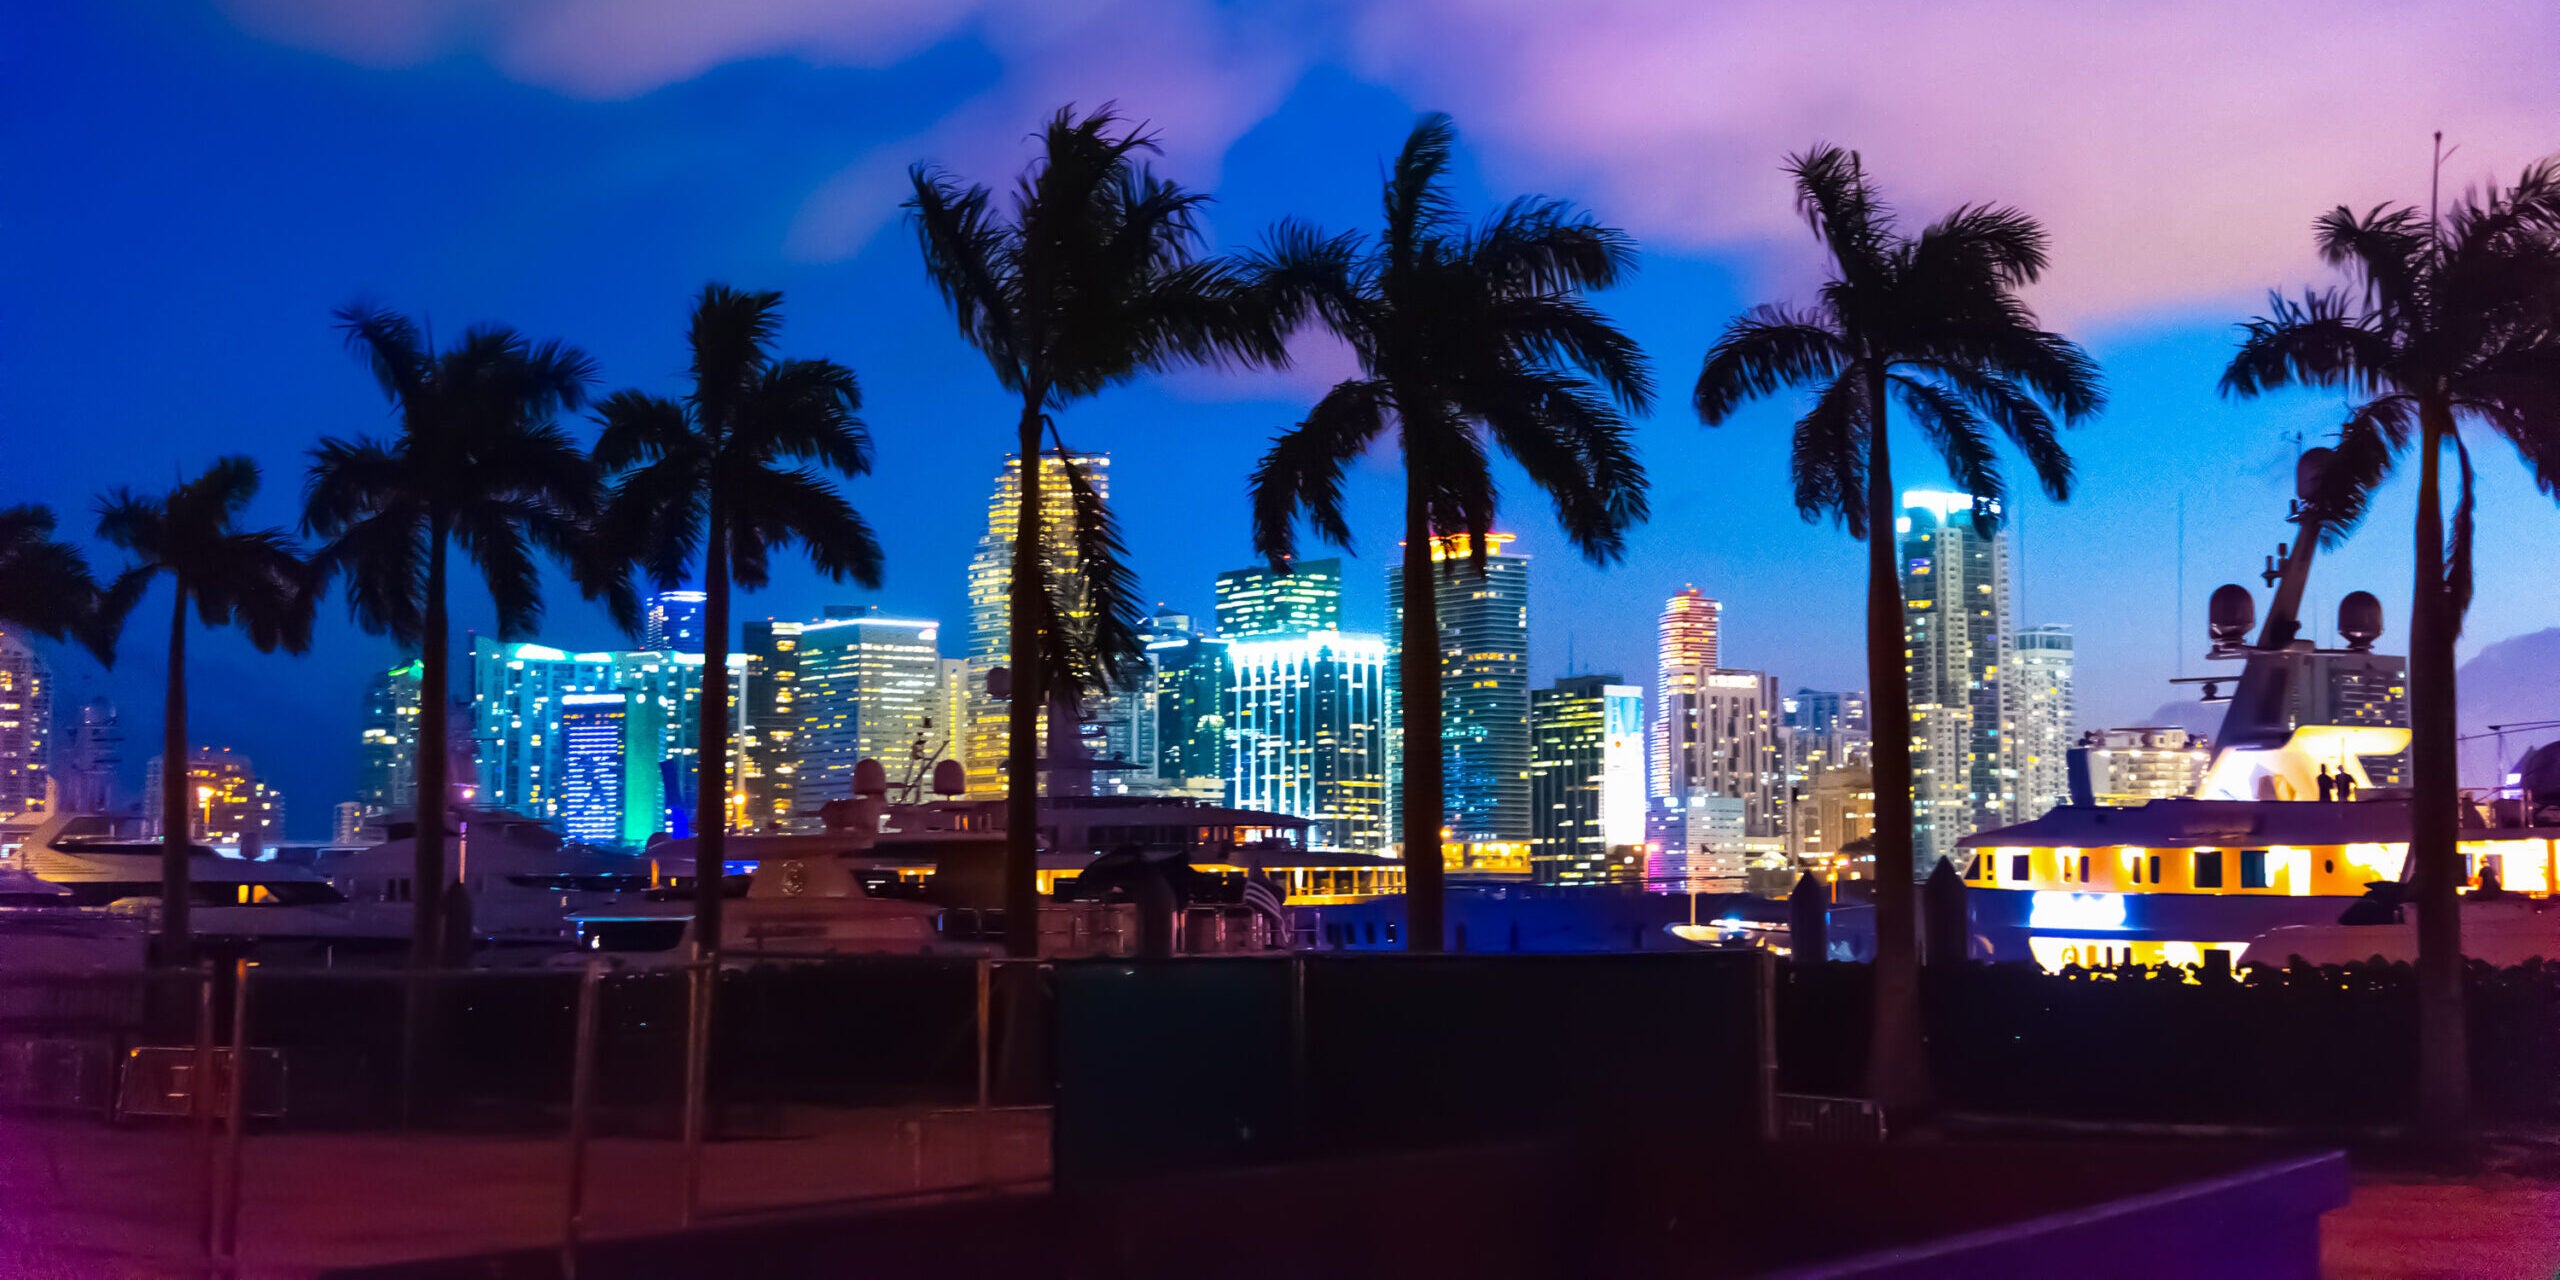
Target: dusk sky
x=190 y=189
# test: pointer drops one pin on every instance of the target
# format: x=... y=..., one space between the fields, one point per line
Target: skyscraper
x=1689 y=640
x=672 y=623
x=89 y=766
x=1819 y=734
x=611 y=792
x=864 y=687
x=1305 y=714
x=990 y=585
x=1956 y=625
x=1484 y=689
x=387 y=750
x=227 y=803
x=1586 y=780
x=26 y=724
x=1727 y=736
x=2035 y=686
x=516 y=698
x=1258 y=602
x=1188 y=675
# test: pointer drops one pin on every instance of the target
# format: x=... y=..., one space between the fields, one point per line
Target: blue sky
x=190 y=190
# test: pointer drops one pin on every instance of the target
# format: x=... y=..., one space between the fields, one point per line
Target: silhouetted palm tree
x=1090 y=278
x=251 y=579
x=1466 y=336
x=1932 y=322
x=2449 y=321
x=722 y=479
x=479 y=463
x=45 y=585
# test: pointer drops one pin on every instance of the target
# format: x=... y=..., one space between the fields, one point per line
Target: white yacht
x=244 y=901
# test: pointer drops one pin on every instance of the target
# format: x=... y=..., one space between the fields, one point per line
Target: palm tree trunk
x=2444 y=1075
x=177 y=927
x=1418 y=698
x=426 y=872
x=1897 y=1061
x=711 y=747
x=1026 y=648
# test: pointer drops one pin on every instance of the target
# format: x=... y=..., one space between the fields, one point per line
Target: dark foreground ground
x=80 y=1201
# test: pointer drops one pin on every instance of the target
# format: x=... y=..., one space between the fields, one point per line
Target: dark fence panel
x=1171 y=1064
x=2309 y=1046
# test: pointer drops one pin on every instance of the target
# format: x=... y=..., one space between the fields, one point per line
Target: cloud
x=2178 y=149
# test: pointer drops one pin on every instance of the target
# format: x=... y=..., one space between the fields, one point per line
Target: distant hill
x=2515 y=681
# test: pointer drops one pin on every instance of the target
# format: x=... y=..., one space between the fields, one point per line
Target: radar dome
x=2360 y=620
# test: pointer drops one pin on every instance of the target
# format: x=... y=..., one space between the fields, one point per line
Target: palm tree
x=249 y=578
x=1466 y=335
x=1094 y=278
x=2451 y=320
x=1931 y=322
x=45 y=585
x=479 y=463
x=723 y=478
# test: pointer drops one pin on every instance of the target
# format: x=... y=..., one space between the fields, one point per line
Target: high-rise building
x=672 y=622
x=2035 y=686
x=1586 y=781
x=2121 y=768
x=1956 y=626
x=227 y=805
x=1484 y=689
x=1727 y=734
x=1188 y=675
x=387 y=751
x=1697 y=844
x=611 y=789
x=1819 y=733
x=1305 y=714
x=26 y=724
x=990 y=586
x=863 y=687
x=89 y=766
x=1840 y=811
x=1259 y=602
x=1690 y=641
x=516 y=699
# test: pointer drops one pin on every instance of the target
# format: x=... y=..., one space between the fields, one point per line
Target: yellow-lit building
x=984 y=740
x=227 y=804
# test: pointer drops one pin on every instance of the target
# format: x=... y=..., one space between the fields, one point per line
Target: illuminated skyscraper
x=96 y=753
x=227 y=803
x=1257 y=602
x=2035 y=688
x=1956 y=628
x=516 y=698
x=1728 y=739
x=611 y=790
x=1586 y=781
x=672 y=622
x=1305 y=714
x=1188 y=674
x=387 y=751
x=1484 y=689
x=866 y=686
x=990 y=585
x=1690 y=641
x=26 y=724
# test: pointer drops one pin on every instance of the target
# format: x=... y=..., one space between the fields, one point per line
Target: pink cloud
x=2178 y=150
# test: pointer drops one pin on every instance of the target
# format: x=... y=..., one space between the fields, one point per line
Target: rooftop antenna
x=2178 y=644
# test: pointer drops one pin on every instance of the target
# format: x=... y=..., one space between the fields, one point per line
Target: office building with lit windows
x=1307 y=597
x=611 y=791
x=1484 y=689
x=990 y=587
x=517 y=693
x=1305 y=715
x=1689 y=640
x=227 y=805
x=387 y=747
x=672 y=622
x=862 y=686
x=26 y=724
x=2038 y=720
x=1957 y=626
x=1586 y=781
x=1187 y=690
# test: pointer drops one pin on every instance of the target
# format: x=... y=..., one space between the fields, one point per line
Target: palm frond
x=965 y=251
x=2457 y=565
x=2318 y=342
x=774 y=509
x=390 y=345
x=1303 y=470
x=1828 y=456
x=1418 y=206
x=1578 y=448
x=2368 y=443
x=1836 y=200
x=1107 y=649
x=1763 y=349
x=1956 y=432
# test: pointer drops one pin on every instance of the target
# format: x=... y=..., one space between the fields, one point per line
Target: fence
x=395 y=1114
x=2321 y=1047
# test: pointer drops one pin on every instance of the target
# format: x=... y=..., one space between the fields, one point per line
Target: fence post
x=986 y=1059
x=697 y=1053
x=582 y=1064
x=235 y=1122
x=1298 y=1069
x=1765 y=1035
x=200 y=1102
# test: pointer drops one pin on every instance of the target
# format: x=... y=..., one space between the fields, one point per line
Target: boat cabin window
x=2084 y=868
x=2155 y=868
x=2018 y=866
x=2209 y=869
x=2253 y=869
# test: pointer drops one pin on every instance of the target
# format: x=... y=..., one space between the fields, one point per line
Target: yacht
x=525 y=880
x=2286 y=842
x=237 y=902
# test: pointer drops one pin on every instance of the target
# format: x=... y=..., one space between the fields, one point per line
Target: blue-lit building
x=1185 y=698
x=1305 y=722
x=1484 y=690
x=518 y=692
x=610 y=788
x=672 y=623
